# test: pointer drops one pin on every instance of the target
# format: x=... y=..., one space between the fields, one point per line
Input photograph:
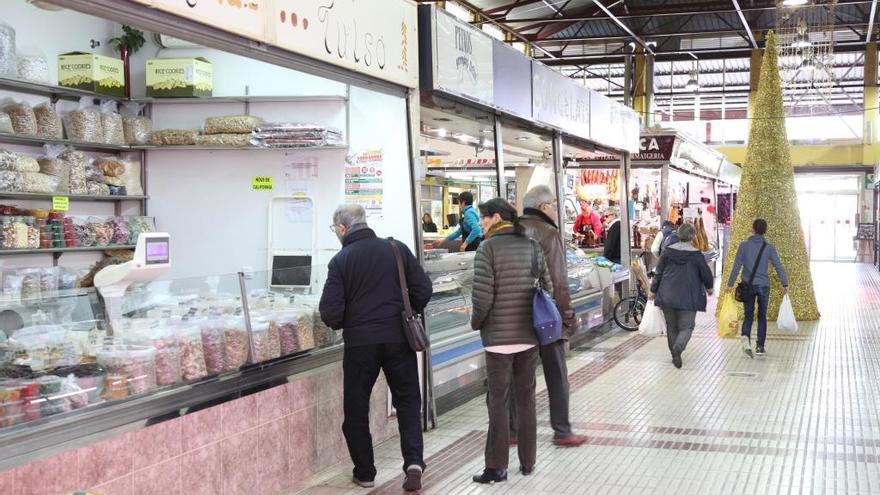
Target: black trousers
x=361 y=367
x=556 y=377
x=502 y=371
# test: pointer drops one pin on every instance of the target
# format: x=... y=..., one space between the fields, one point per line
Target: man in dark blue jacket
x=362 y=295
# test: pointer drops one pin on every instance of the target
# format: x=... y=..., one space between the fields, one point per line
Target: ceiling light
x=487 y=131
x=441 y=132
x=522 y=138
x=794 y=3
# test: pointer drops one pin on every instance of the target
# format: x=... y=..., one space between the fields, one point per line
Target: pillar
x=640 y=97
x=870 y=118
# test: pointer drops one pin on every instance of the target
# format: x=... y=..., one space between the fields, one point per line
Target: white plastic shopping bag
x=653 y=322
x=786 y=321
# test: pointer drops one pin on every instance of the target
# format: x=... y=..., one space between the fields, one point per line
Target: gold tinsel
x=767 y=191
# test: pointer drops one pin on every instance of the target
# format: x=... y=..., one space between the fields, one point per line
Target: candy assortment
x=55 y=230
x=131 y=369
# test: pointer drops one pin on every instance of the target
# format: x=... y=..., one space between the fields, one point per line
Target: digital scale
x=152 y=258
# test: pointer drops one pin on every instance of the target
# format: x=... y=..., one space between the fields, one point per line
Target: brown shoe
x=570 y=441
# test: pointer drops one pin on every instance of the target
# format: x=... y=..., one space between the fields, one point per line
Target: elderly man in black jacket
x=363 y=296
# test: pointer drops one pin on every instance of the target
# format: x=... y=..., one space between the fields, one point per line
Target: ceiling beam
x=623 y=26
x=510 y=6
x=745 y=23
x=871 y=22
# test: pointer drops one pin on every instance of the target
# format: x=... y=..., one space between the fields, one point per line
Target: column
x=870 y=118
x=640 y=97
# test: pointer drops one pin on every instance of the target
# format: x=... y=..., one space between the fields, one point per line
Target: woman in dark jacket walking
x=507 y=267
x=681 y=281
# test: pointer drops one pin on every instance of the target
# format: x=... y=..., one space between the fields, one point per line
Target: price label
x=262 y=183
x=60 y=203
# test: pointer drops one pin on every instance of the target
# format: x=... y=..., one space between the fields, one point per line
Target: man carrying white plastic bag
x=786 y=321
x=653 y=323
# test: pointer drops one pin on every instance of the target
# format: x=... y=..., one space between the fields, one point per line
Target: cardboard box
x=91 y=72
x=179 y=77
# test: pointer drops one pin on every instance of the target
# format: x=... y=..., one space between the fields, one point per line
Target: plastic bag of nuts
x=232 y=124
x=84 y=123
x=135 y=127
x=35 y=182
x=10 y=181
x=17 y=162
x=52 y=164
x=33 y=68
x=6 y=123
x=192 y=354
x=48 y=121
x=76 y=161
x=173 y=137
x=236 y=140
x=22 y=116
x=266 y=342
x=111 y=123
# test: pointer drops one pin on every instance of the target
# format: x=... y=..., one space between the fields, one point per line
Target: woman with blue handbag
x=508 y=268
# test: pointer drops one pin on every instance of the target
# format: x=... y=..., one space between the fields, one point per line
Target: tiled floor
x=802 y=420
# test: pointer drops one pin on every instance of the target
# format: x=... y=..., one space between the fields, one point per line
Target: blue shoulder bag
x=545 y=315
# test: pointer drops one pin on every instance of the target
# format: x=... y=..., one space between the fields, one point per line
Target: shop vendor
x=588 y=225
x=469 y=228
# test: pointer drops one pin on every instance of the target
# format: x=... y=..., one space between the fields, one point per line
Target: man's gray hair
x=686 y=232
x=537 y=196
x=348 y=215
x=613 y=210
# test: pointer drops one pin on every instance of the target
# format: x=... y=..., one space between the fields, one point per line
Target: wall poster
x=364 y=182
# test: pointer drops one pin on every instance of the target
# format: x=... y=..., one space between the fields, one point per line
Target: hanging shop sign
x=244 y=17
x=512 y=75
x=378 y=38
x=651 y=149
x=462 y=61
x=559 y=101
x=695 y=157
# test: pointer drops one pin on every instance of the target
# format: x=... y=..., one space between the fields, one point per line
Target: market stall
x=239 y=154
x=673 y=178
x=493 y=130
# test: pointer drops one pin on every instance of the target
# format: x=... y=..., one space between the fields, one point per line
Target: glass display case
x=582 y=277
x=59 y=353
x=452 y=274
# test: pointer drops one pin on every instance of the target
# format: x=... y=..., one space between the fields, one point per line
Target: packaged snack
x=266 y=342
x=102 y=229
x=121 y=234
x=295 y=330
x=33 y=68
x=17 y=162
x=237 y=343
x=111 y=123
x=51 y=164
x=192 y=354
x=173 y=137
x=214 y=345
x=10 y=181
x=48 y=121
x=232 y=124
x=83 y=232
x=131 y=178
x=44 y=346
x=109 y=165
x=133 y=366
x=97 y=188
x=6 y=123
x=76 y=160
x=232 y=140
x=84 y=123
x=22 y=115
x=135 y=127
x=140 y=225
x=7 y=51
x=35 y=182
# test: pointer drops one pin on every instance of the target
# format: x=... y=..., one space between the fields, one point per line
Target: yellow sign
x=60 y=203
x=262 y=183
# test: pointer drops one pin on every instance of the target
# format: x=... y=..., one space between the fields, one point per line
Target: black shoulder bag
x=744 y=290
x=412 y=324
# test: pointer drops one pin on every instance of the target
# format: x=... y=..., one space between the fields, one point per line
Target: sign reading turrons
x=462 y=61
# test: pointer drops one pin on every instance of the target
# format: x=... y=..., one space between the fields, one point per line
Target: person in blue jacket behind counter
x=469 y=228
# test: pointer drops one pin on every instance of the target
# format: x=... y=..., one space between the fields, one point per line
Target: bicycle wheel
x=628 y=313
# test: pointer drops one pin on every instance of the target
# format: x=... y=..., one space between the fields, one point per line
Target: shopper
x=362 y=295
x=753 y=257
x=679 y=288
x=612 y=237
x=506 y=268
x=469 y=227
x=667 y=236
x=539 y=219
x=588 y=225
x=428 y=224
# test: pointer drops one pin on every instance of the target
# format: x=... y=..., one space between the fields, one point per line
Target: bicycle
x=629 y=310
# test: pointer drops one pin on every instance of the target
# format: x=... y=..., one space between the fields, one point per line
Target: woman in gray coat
x=681 y=281
x=507 y=268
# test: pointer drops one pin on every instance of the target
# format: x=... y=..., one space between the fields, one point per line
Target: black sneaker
x=759 y=351
x=491 y=476
x=676 y=359
x=527 y=471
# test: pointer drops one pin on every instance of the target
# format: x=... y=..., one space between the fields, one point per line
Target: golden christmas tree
x=767 y=191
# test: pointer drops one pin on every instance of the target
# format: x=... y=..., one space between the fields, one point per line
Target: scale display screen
x=157 y=251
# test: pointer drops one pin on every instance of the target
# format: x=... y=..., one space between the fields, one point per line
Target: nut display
x=192 y=354
x=10 y=181
x=266 y=342
x=7 y=51
x=17 y=162
x=236 y=140
x=35 y=182
x=134 y=366
x=97 y=188
x=77 y=163
x=6 y=123
x=48 y=121
x=23 y=119
x=110 y=166
x=84 y=124
x=31 y=68
x=173 y=137
x=137 y=129
x=232 y=124
x=112 y=126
